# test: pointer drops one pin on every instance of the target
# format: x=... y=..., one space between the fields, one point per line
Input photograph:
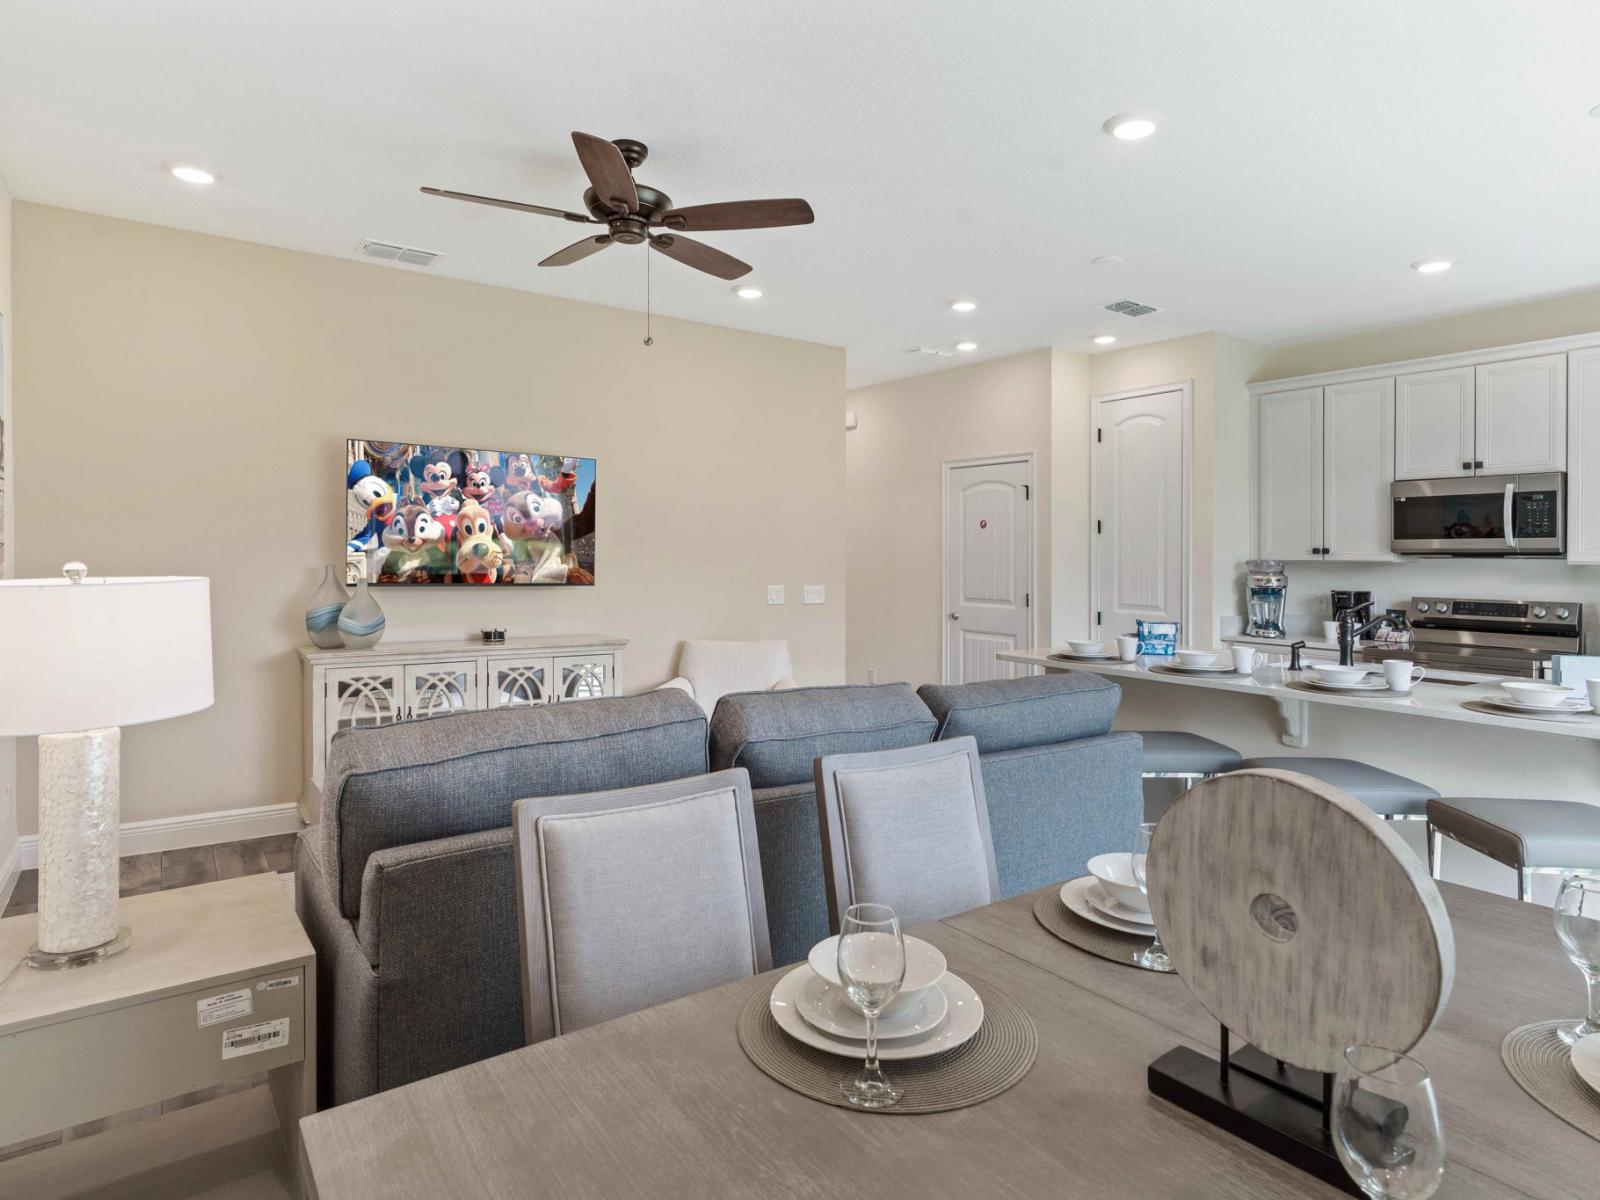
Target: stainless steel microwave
x=1481 y=515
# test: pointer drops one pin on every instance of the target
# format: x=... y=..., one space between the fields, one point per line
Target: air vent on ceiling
x=932 y=352
x=1131 y=308
x=393 y=253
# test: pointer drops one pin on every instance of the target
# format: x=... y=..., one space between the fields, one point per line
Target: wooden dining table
x=664 y=1103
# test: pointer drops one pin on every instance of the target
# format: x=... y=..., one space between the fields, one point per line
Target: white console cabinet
x=401 y=681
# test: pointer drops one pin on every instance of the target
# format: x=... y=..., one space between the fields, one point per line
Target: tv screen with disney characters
x=447 y=515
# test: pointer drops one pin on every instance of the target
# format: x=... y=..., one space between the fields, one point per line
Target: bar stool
x=1393 y=797
x=1170 y=754
x=1529 y=836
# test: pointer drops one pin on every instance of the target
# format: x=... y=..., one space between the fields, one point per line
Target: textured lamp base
x=46 y=960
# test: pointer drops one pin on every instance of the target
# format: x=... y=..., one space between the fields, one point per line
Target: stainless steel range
x=1496 y=637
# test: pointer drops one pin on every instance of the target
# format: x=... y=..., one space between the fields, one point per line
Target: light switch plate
x=774 y=593
x=816 y=593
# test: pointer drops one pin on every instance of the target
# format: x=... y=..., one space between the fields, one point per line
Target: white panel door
x=1522 y=415
x=1289 y=474
x=988 y=569
x=1434 y=417
x=1583 y=456
x=1140 y=543
x=1358 y=466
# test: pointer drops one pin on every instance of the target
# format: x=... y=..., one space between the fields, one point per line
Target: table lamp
x=80 y=657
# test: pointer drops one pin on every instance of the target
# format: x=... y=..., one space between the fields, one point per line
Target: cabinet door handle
x=1478 y=465
x=1466 y=466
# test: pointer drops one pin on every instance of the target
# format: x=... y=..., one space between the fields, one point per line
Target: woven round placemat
x=1541 y=1063
x=999 y=1054
x=1067 y=925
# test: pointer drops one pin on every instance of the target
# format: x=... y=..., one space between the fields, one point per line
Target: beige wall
x=184 y=406
x=1071 y=447
x=8 y=772
x=895 y=486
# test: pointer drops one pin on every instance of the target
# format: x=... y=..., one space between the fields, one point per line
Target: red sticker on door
x=983 y=524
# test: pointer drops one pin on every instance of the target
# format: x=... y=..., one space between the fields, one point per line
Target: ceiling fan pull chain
x=648 y=340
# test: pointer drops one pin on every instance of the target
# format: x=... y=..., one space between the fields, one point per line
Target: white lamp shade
x=101 y=652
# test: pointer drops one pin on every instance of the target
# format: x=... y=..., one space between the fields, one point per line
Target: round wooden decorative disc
x=1298 y=918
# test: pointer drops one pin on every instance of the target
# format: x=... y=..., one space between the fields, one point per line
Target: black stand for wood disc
x=1282 y=1109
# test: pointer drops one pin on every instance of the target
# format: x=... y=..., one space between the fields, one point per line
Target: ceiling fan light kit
x=634 y=213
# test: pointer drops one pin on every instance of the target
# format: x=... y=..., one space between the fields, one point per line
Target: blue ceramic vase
x=361 y=622
x=322 y=615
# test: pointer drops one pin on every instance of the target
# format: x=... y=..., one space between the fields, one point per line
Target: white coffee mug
x=1127 y=647
x=1330 y=632
x=1244 y=659
x=1400 y=674
x=1593 y=686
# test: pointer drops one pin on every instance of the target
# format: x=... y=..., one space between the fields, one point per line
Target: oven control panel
x=1494 y=614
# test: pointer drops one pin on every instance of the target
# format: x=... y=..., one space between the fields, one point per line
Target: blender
x=1266 y=586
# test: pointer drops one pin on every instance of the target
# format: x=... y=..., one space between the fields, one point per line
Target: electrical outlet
x=872 y=674
x=774 y=593
x=816 y=593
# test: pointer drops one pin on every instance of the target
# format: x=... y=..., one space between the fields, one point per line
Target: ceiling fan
x=634 y=213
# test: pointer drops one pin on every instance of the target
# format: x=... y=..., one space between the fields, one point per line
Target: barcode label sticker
x=272 y=985
x=252 y=1039
x=225 y=1007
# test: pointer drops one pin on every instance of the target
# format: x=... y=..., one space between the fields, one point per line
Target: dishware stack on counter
x=1086 y=651
x=1187 y=660
x=1533 y=696
x=1334 y=678
x=935 y=1010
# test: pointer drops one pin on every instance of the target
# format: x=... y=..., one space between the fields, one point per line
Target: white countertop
x=1439 y=701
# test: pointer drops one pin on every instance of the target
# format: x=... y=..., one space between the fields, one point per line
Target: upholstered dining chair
x=634 y=897
x=908 y=828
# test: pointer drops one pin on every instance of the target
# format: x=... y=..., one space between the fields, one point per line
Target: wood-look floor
x=158 y=873
x=177 y=868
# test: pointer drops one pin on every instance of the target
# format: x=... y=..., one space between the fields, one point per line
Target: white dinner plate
x=1573 y=705
x=1211 y=669
x=925 y=963
x=1109 y=906
x=963 y=1020
x=1368 y=683
x=1069 y=656
x=1586 y=1060
x=827 y=1008
x=1075 y=895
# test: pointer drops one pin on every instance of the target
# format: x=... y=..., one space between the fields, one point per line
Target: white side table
x=219 y=984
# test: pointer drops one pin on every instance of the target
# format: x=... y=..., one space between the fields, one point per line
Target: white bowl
x=925 y=964
x=1195 y=658
x=1528 y=691
x=1088 y=649
x=1333 y=673
x=1115 y=873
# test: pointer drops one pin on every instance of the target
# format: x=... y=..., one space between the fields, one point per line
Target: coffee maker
x=1267 y=587
x=1361 y=602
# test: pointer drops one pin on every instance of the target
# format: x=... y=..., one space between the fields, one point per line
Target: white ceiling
x=1311 y=150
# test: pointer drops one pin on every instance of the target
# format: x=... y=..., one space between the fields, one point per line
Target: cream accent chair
x=708 y=670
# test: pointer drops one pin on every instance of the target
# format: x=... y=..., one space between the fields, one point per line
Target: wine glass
x=872 y=966
x=1577 y=916
x=1386 y=1125
x=1153 y=957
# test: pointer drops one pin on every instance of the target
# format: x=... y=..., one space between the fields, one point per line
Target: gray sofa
x=407 y=887
x=408 y=891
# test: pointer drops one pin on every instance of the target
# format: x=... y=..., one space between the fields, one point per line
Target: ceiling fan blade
x=739 y=214
x=578 y=249
x=607 y=170
x=700 y=256
x=515 y=204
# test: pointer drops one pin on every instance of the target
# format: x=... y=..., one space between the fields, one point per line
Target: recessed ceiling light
x=190 y=173
x=1105 y=260
x=966 y=347
x=1133 y=126
x=1105 y=339
x=748 y=291
x=1595 y=111
x=1432 y=266
x=963 y=305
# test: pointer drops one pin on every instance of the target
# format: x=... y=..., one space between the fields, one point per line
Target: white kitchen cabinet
x=1289 y=473
x=1583 y=454
x=1435 y=419
x=401 y=681
x=1522 y=416
x=1358 y=466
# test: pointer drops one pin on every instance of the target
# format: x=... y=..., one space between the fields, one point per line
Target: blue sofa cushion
x=415 y=781
x=778 y=736
x=1037 y=710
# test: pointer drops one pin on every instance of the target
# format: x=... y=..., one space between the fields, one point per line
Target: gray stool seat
x=1169 y=752
x=1522 y=834
x=1384 y=792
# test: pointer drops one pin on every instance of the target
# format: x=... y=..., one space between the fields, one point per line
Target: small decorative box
x=1158 y=638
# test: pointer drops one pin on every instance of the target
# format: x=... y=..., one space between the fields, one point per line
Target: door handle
x=955 y=616
x=1508 y=515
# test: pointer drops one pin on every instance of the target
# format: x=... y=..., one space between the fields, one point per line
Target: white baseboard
x=197 y=829
x=9 y=870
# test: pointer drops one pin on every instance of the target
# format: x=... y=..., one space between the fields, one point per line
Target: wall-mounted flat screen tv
x=451 y=516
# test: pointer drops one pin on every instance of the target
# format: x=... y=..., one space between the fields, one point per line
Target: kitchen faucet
x=1350 y=634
